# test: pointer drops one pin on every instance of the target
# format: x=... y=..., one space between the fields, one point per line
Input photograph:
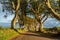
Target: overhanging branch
x=45 y=18
x=18 y=5
x=55 y=14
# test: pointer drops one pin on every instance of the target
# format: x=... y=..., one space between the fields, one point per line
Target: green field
x=7 y=33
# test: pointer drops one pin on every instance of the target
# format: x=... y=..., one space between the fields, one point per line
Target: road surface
x=31 y=36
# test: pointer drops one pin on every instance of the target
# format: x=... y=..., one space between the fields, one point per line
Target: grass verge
x=5 y=34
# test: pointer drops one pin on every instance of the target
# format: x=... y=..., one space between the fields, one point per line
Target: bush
x=55 y=28
x=52 y=29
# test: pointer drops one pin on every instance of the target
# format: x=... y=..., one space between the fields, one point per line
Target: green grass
x=7 y=33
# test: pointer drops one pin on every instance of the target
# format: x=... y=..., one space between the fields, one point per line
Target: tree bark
x=13 y=22
x=16 y=8
x=19 y=23
x=41 y=27
x=35 y=28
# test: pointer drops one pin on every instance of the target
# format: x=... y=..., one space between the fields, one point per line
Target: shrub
x=55 y=28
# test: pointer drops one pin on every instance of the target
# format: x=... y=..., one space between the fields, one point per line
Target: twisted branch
x=55 y=14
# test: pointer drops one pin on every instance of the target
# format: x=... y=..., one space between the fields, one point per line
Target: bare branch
x=33 y=10
x=13 y=5
x=39 y=7
x=45 y=18
x=48 y=3
x=18 y=5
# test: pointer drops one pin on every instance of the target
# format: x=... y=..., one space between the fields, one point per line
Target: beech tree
x=39 y=13
x=14 y=6
x=40 y=7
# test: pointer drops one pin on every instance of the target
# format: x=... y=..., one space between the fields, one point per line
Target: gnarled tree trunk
x=41 y=27
x=16 y=8
x=41 y=22
x=13 y=22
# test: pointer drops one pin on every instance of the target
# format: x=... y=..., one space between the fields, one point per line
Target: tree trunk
x=19 y=23
x=13 y=22
x=41 y=27
x=16 y=8
x=35 y=28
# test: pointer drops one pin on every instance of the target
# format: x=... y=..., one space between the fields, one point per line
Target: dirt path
x=31 y=36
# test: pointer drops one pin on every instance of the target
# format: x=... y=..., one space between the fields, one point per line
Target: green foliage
x=7 y=34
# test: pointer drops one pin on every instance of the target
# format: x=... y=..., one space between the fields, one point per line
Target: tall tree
x=38 y=10
x=22 y=13
x=14 y=6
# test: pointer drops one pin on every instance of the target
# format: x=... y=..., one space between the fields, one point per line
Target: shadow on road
x=46 y=35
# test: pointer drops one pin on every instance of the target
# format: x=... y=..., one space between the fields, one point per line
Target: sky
x=2 y=19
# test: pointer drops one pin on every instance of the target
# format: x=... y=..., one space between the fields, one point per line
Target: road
x=31 y=36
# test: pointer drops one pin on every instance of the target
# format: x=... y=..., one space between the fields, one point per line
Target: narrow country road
x=31 y=36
